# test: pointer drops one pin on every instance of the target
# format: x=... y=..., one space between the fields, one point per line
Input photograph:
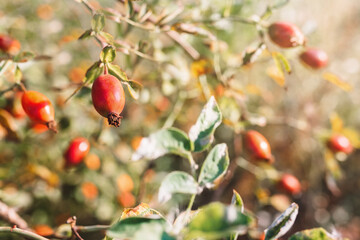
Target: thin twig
x=24 y=233
x=93 y=228
x=72 y=222
x=172 y=34
x=9 y=215
x=88 y=6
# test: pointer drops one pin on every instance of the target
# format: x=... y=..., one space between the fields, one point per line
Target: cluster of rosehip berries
x=107 y=95
x=259 y=149
x=287 y=35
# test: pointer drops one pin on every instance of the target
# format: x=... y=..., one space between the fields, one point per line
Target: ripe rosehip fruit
x=286 y=35
x=314 y=58
x=9 y=45
x=108 y=98
x=340 y=143
x=39 y=108
x=258 y=146
x=290 y=184
x=77 y=151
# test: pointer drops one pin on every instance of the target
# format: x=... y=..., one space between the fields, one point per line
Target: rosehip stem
x=21 y=232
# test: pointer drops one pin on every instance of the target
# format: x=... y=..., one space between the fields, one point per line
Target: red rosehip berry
x=258 y=146
x=290 y=184
x=39 y=108
x=340 y=143
x=314 y=58
x=77 y=151
x=9 y=45
x=286 y=35
x=108 y=98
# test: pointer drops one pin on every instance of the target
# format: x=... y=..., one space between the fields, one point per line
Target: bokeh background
x=296 y=119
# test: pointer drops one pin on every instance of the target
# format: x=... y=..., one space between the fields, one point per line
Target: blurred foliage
x=256 y=85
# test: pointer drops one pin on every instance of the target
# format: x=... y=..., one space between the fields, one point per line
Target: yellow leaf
x=142 y=210
x=337 y=81
x=332 y=165
x=253 y=89
x=276 y=75
x=353 y=136
x=201 y=67
x=336 y=122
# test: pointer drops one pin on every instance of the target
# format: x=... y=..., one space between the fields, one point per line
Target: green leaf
x=283 y=223
x=237 y=200
x=18 y=75
x=86 y=34
x=162 y=142
x=177 y=182
x=94 y=72
x=214 y=166
x=24 y=57
x=134 y=88
x=98 y=22
x=116 y=71
x=216 y=221
x=202 y=133
x=108 y=54
x=139 y=228
x=108 y=37
x=312 y=234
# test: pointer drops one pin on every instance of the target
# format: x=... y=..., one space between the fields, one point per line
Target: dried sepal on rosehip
x=39 y=109
x=286 y=35
x=108 y=98
x=258 y=146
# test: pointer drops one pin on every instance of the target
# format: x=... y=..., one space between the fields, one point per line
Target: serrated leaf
x=134 y=88
x=202 y=133
x=162 y=142
x=93 y=72
x=86 y=34
x=177 y=182
x=216 y=221
x=98 y=22
x=18 y=75
x=140 y=228
x=337 y=81
x=108 y=54
x=116 y=71
x=107 y=37
x=283 y=223
x=214 y=166
x=312 y=234
x=24 y=57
